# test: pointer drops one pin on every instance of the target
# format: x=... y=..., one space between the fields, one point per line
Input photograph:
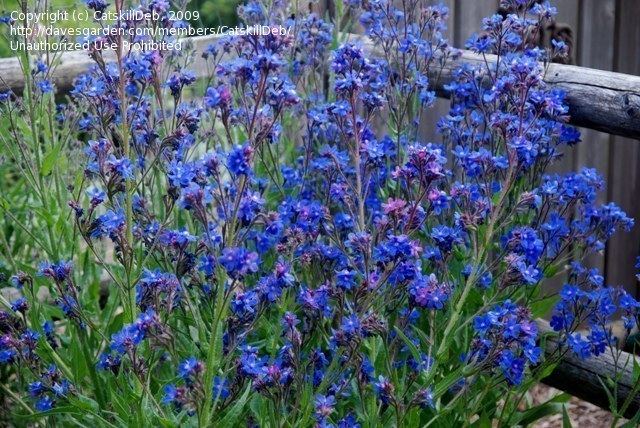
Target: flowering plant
x=272 y=244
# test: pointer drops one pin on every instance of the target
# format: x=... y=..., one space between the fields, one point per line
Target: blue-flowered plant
x=274 y=244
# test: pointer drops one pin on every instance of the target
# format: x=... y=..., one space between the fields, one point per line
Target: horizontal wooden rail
x=585 y=378
x=597 y=99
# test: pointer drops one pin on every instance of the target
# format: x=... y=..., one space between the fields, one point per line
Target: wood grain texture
x=595 y=43
x=624 y=154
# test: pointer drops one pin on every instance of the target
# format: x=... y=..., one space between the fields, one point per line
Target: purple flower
x=428 y=293
x=59 y=272
x=96 y=196
x=219 y=97
x=325 y=405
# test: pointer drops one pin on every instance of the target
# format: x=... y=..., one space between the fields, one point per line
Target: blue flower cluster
x=265 y=238
x=505 y=340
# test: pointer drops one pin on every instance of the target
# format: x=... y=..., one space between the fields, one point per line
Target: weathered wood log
x=601 y=100
x=585 y=378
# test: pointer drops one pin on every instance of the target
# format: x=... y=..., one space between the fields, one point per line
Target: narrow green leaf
x=566 y=421
x=49 y=161
x=538 y=412
x=231 y=417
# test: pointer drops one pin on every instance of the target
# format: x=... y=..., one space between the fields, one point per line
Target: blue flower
x=445 y=237
x=109 y=362
x=579 y=346
x=238 y=262
x=384 y=389
x=239 y=160
x=45 y=86
x=126 y=339
x=111 y=223
x=219 y=97
x=350 y=325
x=20 y=305
x=59 y=272
x=512 y=367
x=139 y=68
x=120 y=167
x=428 y=293
x=96 y=196
x=244 y=304
x=220 y=388
x=97 y=5
x=45 y=403
x=171 y=395
x=346 y=279
x=37 y=388
x=181 y=174
x=532 y=353
x=424 y=398
x=189 y=369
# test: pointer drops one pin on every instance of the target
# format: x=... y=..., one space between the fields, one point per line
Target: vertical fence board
x=567 y=14
x=429 y=119
x=465 y=18
x=469 y=15
x=624 y=155
x=595 y=42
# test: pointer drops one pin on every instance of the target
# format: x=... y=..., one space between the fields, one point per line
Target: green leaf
x=447 y=382
x=415 y=353
x=483 y=422
x=566 y=421
x=49 y=161
x=538 y=412
x=60 y=410
x=231 y=417
x=542 y=307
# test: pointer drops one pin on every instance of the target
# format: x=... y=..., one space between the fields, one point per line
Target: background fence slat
x=595 y=40
x=624 y=154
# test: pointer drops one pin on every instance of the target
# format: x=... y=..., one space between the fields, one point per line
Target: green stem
x=214 y=353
